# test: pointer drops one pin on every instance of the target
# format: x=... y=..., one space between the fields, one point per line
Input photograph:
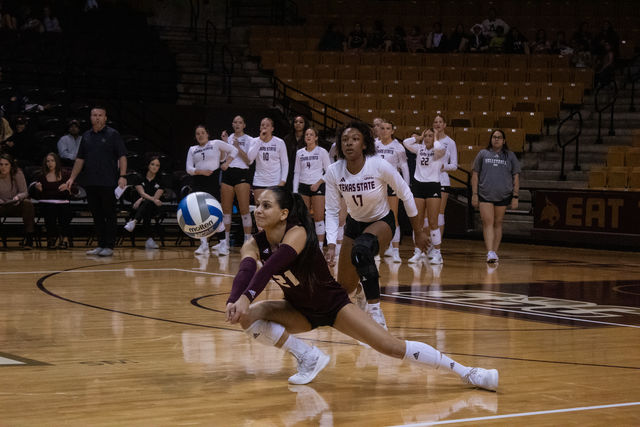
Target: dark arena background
x=140 y=338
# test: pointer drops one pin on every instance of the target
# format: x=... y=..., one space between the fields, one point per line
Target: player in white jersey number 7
x=361 y=178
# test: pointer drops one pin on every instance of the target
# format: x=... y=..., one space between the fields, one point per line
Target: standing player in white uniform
x=310 y=165
x=235 y=183
x=361 y=177
x=270 y=154
x=342 y=217
x=426 y=186
x=393 y=152
x=449 y=164
x=203 y=163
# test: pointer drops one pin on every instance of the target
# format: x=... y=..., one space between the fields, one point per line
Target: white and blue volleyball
x=199 y=215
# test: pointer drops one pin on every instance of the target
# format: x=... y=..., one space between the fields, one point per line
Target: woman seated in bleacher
x=54 y=203
x=14 y=199
x=147 y=205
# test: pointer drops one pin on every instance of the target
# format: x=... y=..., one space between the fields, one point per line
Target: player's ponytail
x=299 y=215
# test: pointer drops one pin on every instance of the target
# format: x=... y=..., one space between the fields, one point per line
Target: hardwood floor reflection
x=140 y=339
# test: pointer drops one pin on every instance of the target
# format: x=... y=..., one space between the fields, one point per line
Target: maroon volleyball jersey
x=323 y=297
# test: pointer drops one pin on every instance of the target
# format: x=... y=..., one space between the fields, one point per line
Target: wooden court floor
x=140 y=339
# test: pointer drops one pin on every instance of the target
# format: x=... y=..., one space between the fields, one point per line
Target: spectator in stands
x=517 y=42
x=49 y=21
x=581 y=44
x=332 y=39
x=31 y=23
x=560 y=46
x=541 y=45
x=437 y=39
x=54 y=202
x=357 y=39
x=605 y=66
x=14 y=198
x=491 y=24
x=478 y=42
x=495 y=184
x=20 y=144
x=68 y=144
x=606 y=35
x=398 y=42
x=378 y=39
x=459 y=40
x=15 y=104
x=5 y=129
x=498 y=42
x=294 y=141
x=8 y=20
x=103 y=153
x=90 y=5
x=148 y=204
x=415 y=40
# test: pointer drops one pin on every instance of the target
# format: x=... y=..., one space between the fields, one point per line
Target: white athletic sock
x=376 y=305
x=247 y=237
x=419 y=352
x=296 y=346
x=321 y=245
x=204 y=241
x=227 y=237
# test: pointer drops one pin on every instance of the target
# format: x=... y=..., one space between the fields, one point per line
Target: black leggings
x=143 y=215
x=57 y=217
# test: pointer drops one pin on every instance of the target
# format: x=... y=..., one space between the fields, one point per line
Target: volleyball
x=199 y=215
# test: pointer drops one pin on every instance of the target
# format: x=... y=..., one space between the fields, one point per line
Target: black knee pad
x=365 y=248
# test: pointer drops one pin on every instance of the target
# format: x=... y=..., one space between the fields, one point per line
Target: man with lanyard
x=103 y=153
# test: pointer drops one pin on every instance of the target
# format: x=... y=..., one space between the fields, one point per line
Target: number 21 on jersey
x=287 y=279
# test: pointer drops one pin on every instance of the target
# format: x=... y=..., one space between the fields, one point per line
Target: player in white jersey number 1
x=361 y=178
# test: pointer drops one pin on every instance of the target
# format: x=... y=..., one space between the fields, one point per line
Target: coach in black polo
x=102 y=158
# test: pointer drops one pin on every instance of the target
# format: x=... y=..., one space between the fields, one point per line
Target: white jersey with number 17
x=364 y=193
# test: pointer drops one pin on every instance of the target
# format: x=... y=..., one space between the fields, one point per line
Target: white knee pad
x=226 y=219
x=440 y=220
x=436 y=238
x=340 y=233
x=265 y=332
x=246 y=220
x=320 y=227
x=426 y=222
x=396 y=236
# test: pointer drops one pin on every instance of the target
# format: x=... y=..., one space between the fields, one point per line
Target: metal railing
x=295 y=101
x=611 y=102
x=563 y=144
x=194 y=17
x=633 y=75
x=211 y=40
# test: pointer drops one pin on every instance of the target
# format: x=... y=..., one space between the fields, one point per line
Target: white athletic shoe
x=389 y=251
x=492 y=256
x=377 y=258
x=359 y=299
x=430 y=252
x=395 y=255
x=95 y=251
x=376 y=314
x=203 y=249
x=129 y=226
x=483 y=378
x=309 y=365
x=223 y=248
x=151 y=244
x=106 y=252
x=417 y=256
x=436 y=258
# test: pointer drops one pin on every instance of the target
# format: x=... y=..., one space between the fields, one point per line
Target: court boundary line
x=504 y=310
x=115 y=269
x=522 y=414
